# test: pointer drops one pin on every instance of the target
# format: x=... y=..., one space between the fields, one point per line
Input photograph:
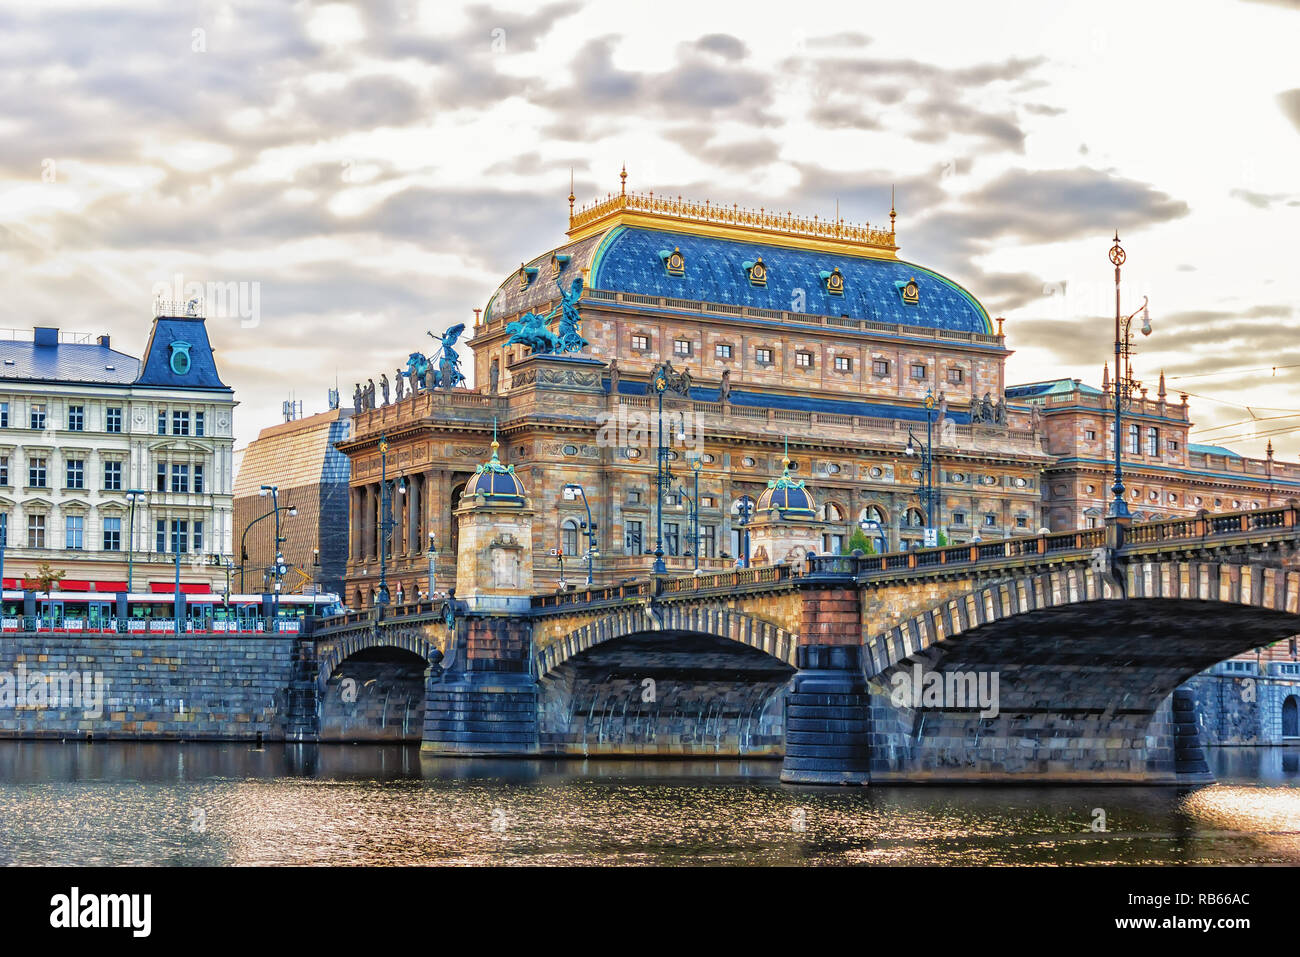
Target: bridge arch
x=715 y=620
x=331 y=652
x=1219 y=590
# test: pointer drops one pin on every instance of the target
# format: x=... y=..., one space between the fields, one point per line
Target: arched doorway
x=1291 y=717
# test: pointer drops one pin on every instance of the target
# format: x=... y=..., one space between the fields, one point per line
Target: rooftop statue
x=534 y=331
x=444 y=372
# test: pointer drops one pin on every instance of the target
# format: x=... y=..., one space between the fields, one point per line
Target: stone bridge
x=1050 y=658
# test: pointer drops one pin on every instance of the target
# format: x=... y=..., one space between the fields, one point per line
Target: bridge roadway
x=1079 y=641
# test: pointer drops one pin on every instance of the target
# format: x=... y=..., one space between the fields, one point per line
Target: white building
x=85 y=430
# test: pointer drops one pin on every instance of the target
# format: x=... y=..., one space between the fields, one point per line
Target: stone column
x=354 y=525
x=414 y=506
x=371 y=508
x=827 y=715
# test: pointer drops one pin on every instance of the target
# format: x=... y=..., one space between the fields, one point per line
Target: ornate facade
x=790 y=330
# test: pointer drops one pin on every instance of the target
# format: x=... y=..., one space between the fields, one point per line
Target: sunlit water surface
x=117 y=803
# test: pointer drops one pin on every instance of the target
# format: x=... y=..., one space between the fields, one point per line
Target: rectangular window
x=722 y=350
x=198 y=479
x=162 y=421
x=76 y=418
x=160 y=536
x=180 y=536
x=4 y=531
x=74 y=529
x=959 y=518
x=706 y=501
x=1153 y=441
x=75 y=473
x=708 y=541
x=804 y=360
x=4 y=470
x=672 y=538
x=880 y=367
x=180 y=423
x=4 y=415
x=160 y=483
x=36 y=472
x=990 y=519
x=112 y=534
x=763 y=355
x=1134 y=438
x=1171 y=445
x=197 y=543
x=681 y=347
x=1090 y=435
x=918 y=370
x=112 y=476
x=632 y=540
x=35 y=531
x=641 y=342
x=956 y=376
x=843 y=364
x=180 y=478
x=37 y=418
x=1022 y=522
x=634 y=497
x=200 y=428
x=112 y=420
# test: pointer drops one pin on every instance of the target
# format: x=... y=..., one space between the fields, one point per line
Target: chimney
x=47 y=335
x=103 y=341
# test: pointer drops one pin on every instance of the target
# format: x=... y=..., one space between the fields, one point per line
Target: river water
x=220 y=804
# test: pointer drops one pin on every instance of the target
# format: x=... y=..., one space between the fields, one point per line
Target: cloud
x=1289 y=102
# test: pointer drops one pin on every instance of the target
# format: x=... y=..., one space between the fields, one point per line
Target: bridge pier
x=827 y=710
x=487 y=703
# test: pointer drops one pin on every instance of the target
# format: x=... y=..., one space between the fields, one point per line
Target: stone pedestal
x=494 y=561
x=773 y=541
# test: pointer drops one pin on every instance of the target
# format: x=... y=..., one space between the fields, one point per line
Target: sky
x=348 y=176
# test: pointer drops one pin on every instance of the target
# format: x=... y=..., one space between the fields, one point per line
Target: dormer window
x=756 y=271
x=558 y=262
x=909 y=291
x=834 y=281
x=526 y=275
x=180 y=357
x=674 y=262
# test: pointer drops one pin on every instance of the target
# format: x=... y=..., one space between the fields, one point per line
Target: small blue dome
x=498 y=484
x=786 y=499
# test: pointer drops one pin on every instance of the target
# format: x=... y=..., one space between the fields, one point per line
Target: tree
x=45 y=578
x=859 y=541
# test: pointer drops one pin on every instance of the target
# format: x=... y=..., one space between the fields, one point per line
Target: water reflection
x=123 y=803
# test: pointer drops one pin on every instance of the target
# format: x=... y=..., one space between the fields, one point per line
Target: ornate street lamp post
x=134 y=497
x=660 y=383
x=433 y=560
x=570 y=489
x=926 y=485
x=744 y=508
x=386 y=521
x=1118 y=507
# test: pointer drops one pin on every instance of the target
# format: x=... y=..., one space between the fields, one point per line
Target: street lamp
x=744 y=508
x=870 y=526
x=693 y=517
x=662 y=474
x=433 y=561
x=386 y=521
x=134 y=497
x=588 y=526
x=1118 y=507
x=925 y=488
x=279 y=569
x=290 y=510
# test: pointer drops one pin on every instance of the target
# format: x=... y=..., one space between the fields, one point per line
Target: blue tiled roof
x=801 y=403
x=1212 y=450
x=1031 y=390
x=157 y=367
x=66 y=362
x=629 y=260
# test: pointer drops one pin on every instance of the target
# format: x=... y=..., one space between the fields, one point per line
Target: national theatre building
x=810 y=382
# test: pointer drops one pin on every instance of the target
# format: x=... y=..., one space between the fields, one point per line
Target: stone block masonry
x=156 y=688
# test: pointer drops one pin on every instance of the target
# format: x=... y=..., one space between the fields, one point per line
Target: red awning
x=11 y=583
x=72 y=584
x=109 y=586
x=187 y=588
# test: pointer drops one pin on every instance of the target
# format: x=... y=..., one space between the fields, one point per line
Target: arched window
x=1291 y=717
x=915 y=518
x=873 y=513
x=569 y=537
x=830 y=512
